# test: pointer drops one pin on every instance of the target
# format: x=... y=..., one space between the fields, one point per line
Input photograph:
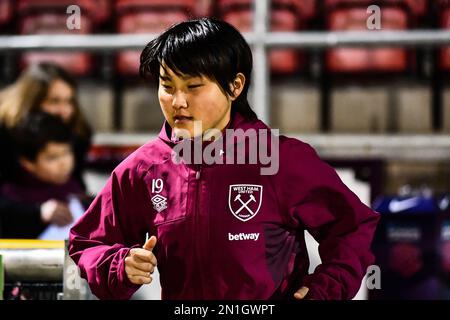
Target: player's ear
x=237 y=85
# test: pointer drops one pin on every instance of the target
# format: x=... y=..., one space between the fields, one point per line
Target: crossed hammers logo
x=244 y=204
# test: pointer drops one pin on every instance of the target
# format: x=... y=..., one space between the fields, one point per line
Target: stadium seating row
x=154 y=16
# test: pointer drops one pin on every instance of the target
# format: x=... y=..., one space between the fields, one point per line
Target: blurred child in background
x=44 y=148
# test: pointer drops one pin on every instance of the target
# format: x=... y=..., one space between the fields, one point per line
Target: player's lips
x=182 y=119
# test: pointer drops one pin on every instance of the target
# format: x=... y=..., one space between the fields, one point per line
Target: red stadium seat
x=366 y=60
x=78 y=63
x=107 y=157
x=45 y=6
x=444 y=60
x=307 y=8
x=416 y=7
x=122 y=6
x=6 y=11
x=284 y=17
x=98 y=11
x=102 y=11
x=144 y=16
x=204 y=8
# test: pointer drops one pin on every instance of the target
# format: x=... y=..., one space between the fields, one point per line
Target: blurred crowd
x=44 y=139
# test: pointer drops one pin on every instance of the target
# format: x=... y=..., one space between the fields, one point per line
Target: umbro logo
x=159 y=202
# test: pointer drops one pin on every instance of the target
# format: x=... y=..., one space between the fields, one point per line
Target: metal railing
x=260 y=40
x=421 y=147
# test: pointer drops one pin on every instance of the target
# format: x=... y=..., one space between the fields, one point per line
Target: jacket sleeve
x=102 y=238
x=319 y=201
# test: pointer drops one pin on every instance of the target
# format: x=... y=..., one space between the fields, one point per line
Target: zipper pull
x=198 y=173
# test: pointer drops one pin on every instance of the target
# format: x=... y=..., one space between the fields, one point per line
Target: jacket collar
x=237 y=122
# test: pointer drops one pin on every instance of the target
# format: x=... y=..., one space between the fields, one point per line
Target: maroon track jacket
x=224 y=231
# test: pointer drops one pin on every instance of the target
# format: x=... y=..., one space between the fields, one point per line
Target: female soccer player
x=219 y=225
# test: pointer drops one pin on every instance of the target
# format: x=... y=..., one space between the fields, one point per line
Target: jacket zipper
x=196 y=229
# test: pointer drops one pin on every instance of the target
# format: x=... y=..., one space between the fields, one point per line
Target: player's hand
x=57 y=212
x=301 y=293
x=141 y=263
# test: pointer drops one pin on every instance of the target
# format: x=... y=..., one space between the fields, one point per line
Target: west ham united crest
x=245 y=200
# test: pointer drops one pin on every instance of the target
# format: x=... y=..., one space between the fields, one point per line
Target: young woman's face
x=59 y=100
x=187 y=99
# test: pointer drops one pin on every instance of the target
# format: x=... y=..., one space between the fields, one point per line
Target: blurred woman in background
x=49 y=88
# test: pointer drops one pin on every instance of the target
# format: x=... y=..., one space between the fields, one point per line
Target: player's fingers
x=142 y=254
x=301 y=293
x=150 y=244
x=136 y=272
x=147 y=259
x=140 y=279
x=142 y=266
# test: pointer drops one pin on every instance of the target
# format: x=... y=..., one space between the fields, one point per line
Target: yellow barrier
x=31 y=244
